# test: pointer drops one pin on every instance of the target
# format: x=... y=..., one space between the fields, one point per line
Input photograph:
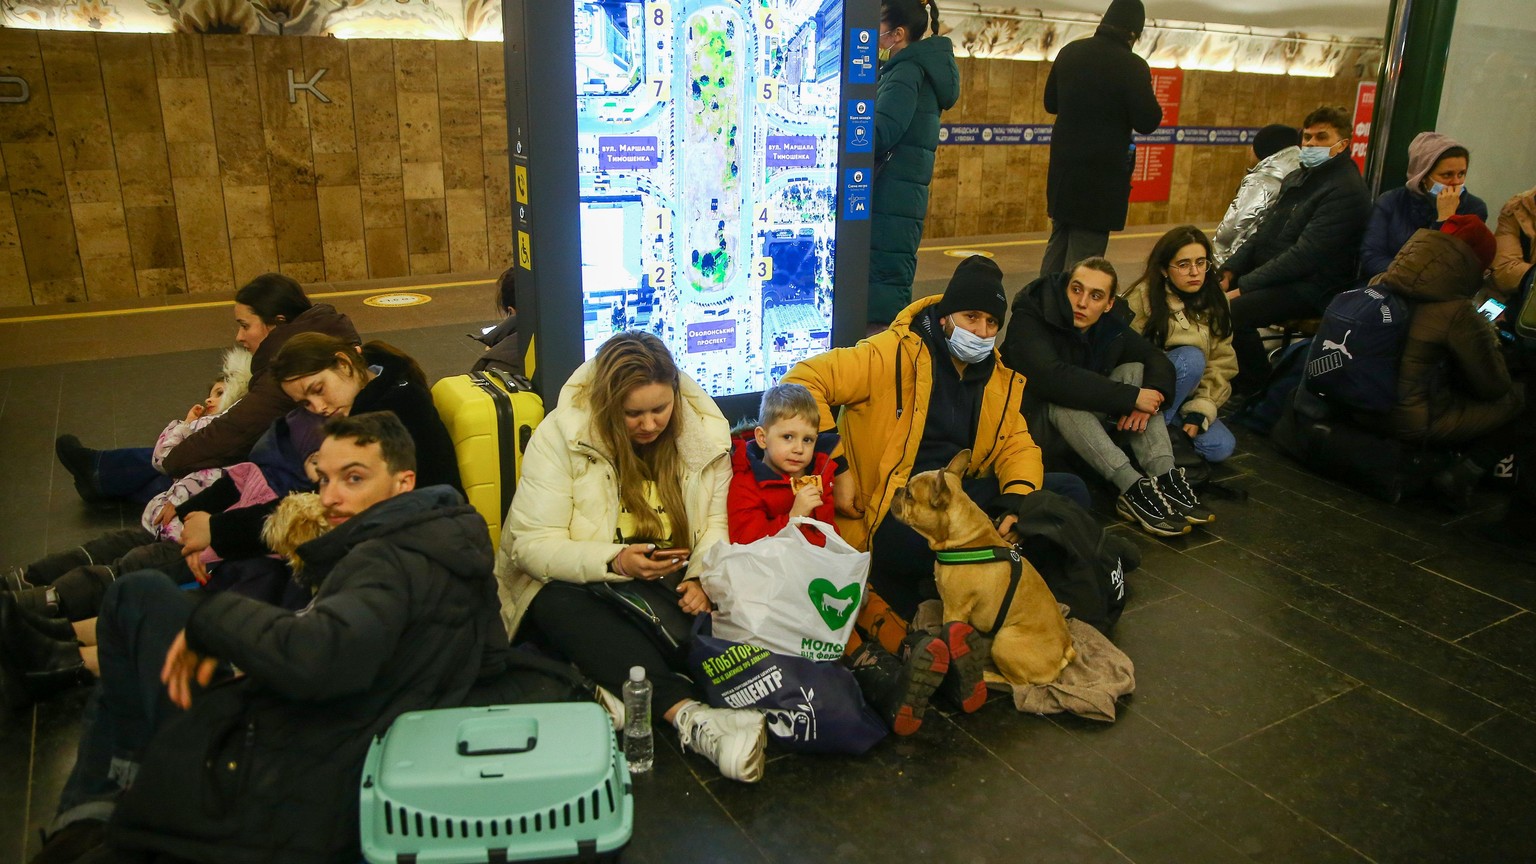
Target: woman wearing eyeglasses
x=1178 y=305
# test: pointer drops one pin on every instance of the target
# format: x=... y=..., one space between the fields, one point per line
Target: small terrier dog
x=298 y=519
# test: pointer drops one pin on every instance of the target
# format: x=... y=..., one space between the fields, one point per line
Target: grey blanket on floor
x=1088 y=687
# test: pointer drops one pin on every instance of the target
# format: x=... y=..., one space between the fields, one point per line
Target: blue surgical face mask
x=967 y=347
x=1311 y=157
x=1435 y=188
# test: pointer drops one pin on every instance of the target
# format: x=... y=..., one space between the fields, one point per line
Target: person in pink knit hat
x=1436 y=190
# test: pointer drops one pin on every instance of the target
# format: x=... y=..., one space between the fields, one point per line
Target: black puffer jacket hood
x=433 y=522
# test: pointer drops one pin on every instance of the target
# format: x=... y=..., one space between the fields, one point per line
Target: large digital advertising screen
x=707 y=138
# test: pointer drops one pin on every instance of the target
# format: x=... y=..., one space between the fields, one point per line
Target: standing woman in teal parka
x=918 y=79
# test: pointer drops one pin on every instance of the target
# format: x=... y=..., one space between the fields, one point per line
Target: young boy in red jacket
x=785 y=469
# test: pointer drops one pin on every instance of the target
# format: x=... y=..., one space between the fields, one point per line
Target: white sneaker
x=732 y=738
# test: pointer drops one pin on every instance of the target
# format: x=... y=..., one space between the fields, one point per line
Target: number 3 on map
x=762 y=269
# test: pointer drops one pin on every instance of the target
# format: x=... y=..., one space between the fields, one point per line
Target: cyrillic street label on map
x=711 y=336
x=861 y=125
x=856 y=193
x=627 y=152
x=791 y=151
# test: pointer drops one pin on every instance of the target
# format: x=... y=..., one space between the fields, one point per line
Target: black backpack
x=1083 y=566
x=1354 y=356
x=1263 y=410
x=1334 y=446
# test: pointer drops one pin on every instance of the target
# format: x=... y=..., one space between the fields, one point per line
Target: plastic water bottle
x=639 y=746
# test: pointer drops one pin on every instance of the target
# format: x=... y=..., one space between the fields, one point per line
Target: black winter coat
x=393 y=390
x=1309 y=240
x=266 y=768
x=1069 y=367
x=1099 y=91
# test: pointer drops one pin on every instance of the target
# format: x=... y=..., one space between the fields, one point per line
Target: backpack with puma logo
x=1354 y=356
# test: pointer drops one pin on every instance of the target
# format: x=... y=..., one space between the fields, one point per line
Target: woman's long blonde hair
x=626 y=361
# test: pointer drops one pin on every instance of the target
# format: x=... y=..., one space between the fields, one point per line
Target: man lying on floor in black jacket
x=239 y=729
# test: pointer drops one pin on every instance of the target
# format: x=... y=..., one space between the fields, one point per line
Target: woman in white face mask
x=1436 y=190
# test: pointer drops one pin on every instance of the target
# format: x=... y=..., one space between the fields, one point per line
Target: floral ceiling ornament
x=94 y=15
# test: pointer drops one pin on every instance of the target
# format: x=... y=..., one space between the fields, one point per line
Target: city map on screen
x=708 y=147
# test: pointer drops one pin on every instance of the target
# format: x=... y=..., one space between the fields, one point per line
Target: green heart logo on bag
x=834 y=605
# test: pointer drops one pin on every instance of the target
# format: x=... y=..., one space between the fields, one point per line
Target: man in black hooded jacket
x=1085 y=365
x=264 y=764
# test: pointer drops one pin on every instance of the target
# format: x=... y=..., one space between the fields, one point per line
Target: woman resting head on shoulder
x=330 y=377
x=623 y=491
x=1179 y=306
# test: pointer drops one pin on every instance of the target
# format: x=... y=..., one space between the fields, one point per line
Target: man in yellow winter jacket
x=913 y=396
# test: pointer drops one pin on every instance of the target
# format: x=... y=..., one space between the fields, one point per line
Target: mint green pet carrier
x=506 y=783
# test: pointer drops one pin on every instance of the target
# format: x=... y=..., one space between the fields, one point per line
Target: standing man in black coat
x=264 y=765
x=1099 y=91
x=1305 y=250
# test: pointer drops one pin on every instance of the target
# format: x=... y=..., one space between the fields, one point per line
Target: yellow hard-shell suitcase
x=490 y=416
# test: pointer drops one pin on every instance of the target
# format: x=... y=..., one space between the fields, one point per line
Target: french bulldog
x=1032 y=646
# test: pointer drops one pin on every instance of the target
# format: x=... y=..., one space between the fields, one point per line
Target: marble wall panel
x=980 y=190
x=152 y=164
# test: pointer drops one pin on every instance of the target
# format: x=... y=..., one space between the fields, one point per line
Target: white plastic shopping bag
x=785 y=593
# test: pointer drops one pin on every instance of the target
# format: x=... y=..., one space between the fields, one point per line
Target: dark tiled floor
x=1321 y=678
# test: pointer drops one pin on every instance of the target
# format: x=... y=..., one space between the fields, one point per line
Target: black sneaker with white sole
x=1143 y=505
x=1181 y=497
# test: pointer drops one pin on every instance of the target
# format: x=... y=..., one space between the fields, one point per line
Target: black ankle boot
x=1455 y=485
x=42 y=600
x=15 y=579
x=53 y=628
x=44 y=664
x=81 y=461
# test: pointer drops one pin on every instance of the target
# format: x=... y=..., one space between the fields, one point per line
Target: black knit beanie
x=1128 y=15
x=976 y=285
x=1274 y=138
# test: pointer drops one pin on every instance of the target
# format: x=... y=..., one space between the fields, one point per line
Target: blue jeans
x=129 y=472
x=140 y=617
x=1216 y=443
